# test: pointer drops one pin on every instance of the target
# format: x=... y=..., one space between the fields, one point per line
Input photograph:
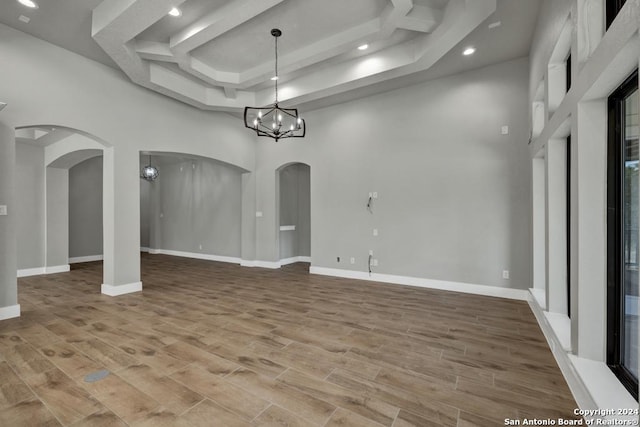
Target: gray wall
x=145 y=213
x=57 y=217
x=195 y=205
x=8 y=282
x=454 y=193
x=29 y=205
x=85 y=208
x=295 y=209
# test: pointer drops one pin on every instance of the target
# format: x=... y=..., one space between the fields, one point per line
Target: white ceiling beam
x=155 y=51
x=219 y=22
x=230 y=92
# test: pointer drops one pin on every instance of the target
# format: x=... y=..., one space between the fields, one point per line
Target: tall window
x=568 y=223
x=613 y=7
x=622 y=234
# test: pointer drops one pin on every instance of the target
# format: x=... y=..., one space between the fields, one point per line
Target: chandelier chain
x=276 y=69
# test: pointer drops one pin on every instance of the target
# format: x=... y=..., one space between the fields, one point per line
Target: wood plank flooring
x=214 y=344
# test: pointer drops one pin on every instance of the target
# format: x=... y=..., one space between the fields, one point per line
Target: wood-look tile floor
x=213 y=344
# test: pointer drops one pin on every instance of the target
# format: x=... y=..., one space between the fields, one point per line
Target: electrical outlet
x=375 y=231
x=3 y=209
x=375 y=194
x=258 y=214
x=505 y=274
x=505 y=130
x=352 y=260
x=200 y=247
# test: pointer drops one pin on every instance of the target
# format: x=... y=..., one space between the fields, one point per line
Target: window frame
x=615 y=241
x=612 y=9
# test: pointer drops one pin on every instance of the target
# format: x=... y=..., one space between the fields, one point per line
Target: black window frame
x=612 y=9
x=568 y=222
x=615 y=262
x=568 y=72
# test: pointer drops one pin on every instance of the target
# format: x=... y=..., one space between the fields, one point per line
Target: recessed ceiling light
x=275 y=78
x=363 y=47
x=24 y=19
x=29 y=3
x=175 y=12
x=469 y=51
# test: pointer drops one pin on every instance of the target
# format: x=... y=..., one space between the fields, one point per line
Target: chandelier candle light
x=272 y=120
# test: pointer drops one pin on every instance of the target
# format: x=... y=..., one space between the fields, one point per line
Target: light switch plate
x=3 y=209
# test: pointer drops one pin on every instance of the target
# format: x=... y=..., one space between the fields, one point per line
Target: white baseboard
x=208 y=257
x=261 y=264
x=469 y=288
x=57 y=269
x=295 y=259
x=89 y=258
x=114 y=291
x=9 y=312
x=591 y=382
x=27 y=272
x=144 y=249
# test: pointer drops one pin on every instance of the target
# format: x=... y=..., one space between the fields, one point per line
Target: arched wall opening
x=193 y=208
x=45 y=155
x=293 y=213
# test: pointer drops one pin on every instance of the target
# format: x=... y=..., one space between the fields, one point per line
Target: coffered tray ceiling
x=219 y=54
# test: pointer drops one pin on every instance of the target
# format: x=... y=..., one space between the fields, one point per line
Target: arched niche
x=293 y=213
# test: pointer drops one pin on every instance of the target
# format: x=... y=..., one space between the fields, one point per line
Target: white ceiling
x=219 y=54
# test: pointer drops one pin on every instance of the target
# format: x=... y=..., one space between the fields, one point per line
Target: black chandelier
x=272 y=120
x=150 y=173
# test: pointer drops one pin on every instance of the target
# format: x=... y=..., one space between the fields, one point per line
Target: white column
x=121 y=221
x=9 y=306
x=248 y=228
x=556 y=226
x=590 y=147
x=539 y=227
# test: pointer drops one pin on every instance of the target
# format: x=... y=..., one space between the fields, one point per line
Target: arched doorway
x=293 y=204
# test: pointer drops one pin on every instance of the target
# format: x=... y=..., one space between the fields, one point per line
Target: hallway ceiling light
x=29 y=3
x=363 y=47
x=273 y=121
x=150 y=173
x=175 y=12
x=469 y=51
